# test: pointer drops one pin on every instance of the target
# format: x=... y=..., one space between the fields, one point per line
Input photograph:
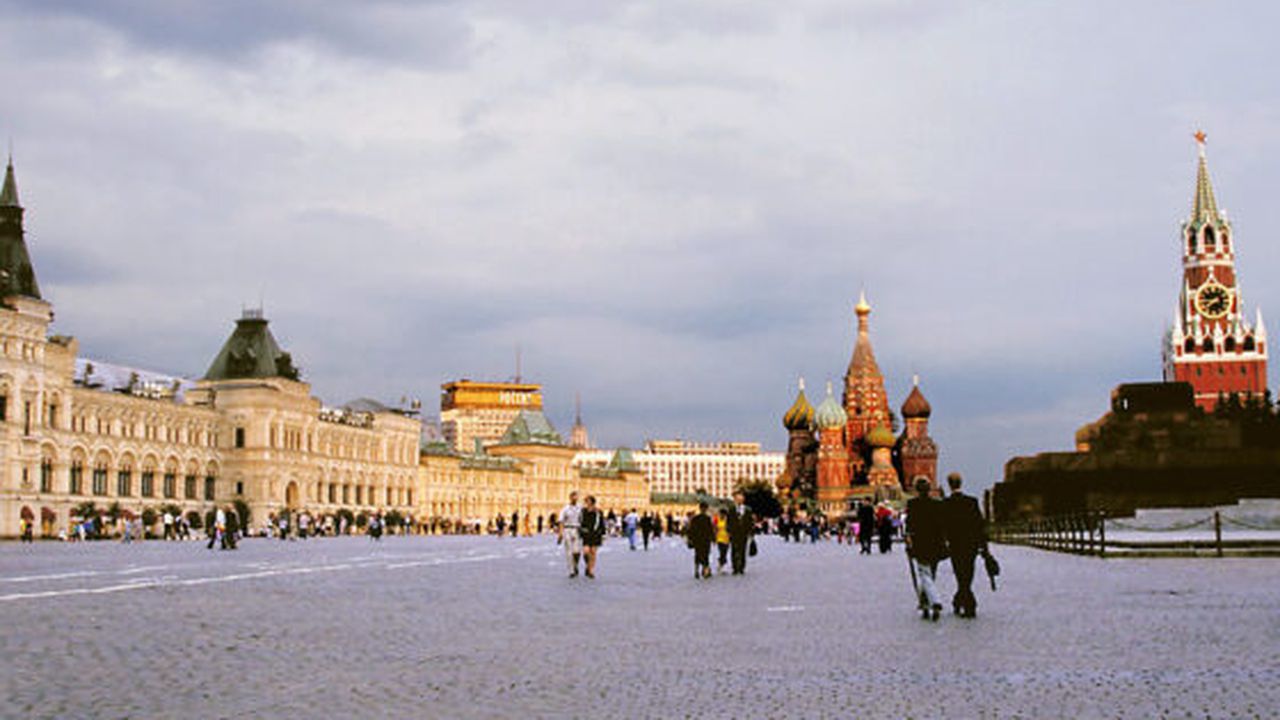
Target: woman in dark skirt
x=592 y=532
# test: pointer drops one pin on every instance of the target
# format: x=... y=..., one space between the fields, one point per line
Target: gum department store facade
x=74 y=430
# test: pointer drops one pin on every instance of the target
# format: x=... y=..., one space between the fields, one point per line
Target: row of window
x=1228 y=345
x=124 y=483
x=394 y=496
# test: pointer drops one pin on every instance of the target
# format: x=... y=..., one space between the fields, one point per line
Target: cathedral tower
x=1211 y=344
x=834 y=471
x=799 y=477
x=918 y=452
x=865 y=401
x=17 y=277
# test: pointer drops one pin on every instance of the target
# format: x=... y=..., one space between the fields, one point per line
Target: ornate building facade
x=849 y=447
x=1211 y=344
x=75 y=431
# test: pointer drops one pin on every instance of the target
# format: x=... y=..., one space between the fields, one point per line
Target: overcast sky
x=669 y=206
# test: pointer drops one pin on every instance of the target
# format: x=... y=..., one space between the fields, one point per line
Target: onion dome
x=916 y=406
x=800 y=416
x=830 y=415
x=881 y=437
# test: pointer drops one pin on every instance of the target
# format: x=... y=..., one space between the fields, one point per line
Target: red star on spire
x=1200 y=136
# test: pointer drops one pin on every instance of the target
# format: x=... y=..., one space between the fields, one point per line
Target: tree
x=86 y=510
x=392 y=520
x=242 y=511
x=760 y=498
x=114 y=511
x=362 y=519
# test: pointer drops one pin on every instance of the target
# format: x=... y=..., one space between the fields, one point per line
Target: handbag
x=751 y=549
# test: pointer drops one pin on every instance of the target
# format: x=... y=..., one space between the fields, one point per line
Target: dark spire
x=9 y=193
x=17 y=276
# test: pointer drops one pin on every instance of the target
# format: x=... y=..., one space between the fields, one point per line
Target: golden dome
x=881 y=437
x=800 y=415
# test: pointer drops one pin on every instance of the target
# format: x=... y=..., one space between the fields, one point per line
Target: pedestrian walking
x=593 y=531
x=722 y=539
x=515 y=524
x=885 y=527
x=231 y=528
x=926 y=545
x=966 y=537
x=168 y=526
x=742 y=524
x=569 y=533
x=646 y=530
x=699 y=538
x=630 y=524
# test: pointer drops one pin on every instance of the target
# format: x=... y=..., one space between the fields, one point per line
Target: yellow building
x=74 y=431
x=529 y=470
x=471 y=410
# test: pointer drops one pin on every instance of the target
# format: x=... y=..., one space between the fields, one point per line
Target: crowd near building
x=81 y=436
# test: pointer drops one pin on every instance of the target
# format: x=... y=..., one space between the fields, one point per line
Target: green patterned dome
x=800 y=416
x=830 y=415
x=881 y=437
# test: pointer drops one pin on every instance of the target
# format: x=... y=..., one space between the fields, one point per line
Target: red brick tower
x=1211 y=345
x=835 y=475
x=918 y=452
x=865 y=401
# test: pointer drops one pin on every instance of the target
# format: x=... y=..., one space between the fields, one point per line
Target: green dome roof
x=830 y=415
x=800 y=416
x=881 y=437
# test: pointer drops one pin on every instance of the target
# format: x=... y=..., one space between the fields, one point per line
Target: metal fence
x=1094 y=533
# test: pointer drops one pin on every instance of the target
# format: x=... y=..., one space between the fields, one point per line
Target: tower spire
x=1205 y=206
x=9 y=193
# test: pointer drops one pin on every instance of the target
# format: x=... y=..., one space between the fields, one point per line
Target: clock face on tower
x=1213 y=300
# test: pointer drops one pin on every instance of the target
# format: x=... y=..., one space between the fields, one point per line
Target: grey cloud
x=427 y=33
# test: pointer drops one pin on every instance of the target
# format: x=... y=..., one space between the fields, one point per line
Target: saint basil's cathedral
x=848 y=450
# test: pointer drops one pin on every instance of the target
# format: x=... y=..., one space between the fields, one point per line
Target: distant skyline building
x=1211 y=343
x=678 y=467
x=472 y=410
x=578 y=436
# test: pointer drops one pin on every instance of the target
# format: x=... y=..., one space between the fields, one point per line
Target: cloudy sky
x=669 y=206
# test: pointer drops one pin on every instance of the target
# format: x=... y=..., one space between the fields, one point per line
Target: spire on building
x=17 y=276
x=578 y=435
x=9 y=193
x=864 y=360
x=1204 y=209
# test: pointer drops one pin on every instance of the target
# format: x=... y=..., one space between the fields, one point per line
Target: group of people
x=939 y=529
x=732 y=530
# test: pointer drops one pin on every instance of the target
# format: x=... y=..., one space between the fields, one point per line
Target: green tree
x=760 y=497
x=242 y=511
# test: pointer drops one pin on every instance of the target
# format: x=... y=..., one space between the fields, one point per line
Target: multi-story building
x=676 y=467
x=75 y=431
x=529 y=471
x=1211 y=344
x=471 y=410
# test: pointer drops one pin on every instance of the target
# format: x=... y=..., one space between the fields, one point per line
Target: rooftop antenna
x=577 y=406
x=519 y=377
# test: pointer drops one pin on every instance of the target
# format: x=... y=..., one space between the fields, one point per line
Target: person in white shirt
x=570 y=522
x=168 y=526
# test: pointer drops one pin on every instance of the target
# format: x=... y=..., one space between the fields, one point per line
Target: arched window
x=1208 y=344
x=1229 y=344
x=1191 y=242
x=1226 y=242
x=1208 y=238
x=1189 y=345
x=1249 y=345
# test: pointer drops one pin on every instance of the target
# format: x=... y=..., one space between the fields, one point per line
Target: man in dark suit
x=742 y=525
x=866 y=526
x=926 y=544
x=966 y=536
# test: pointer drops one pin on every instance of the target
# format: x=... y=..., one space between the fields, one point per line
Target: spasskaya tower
x=1211 y=345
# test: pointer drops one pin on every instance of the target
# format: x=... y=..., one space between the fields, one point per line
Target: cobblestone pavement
x=481 y=627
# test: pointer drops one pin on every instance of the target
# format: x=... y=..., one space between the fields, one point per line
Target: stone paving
x=481 y=627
